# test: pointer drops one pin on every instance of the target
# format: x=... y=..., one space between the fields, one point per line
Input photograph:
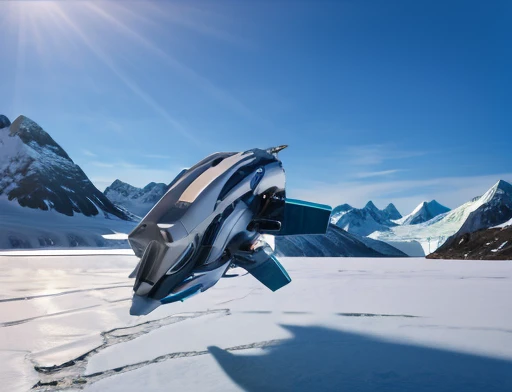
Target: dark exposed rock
x=486 y=244
x=4 y=121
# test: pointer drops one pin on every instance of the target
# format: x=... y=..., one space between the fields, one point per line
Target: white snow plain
x=350 y=324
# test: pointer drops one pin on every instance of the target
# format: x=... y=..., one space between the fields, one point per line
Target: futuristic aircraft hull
x=212 y=218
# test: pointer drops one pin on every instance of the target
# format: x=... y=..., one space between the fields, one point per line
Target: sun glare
x=64 y=31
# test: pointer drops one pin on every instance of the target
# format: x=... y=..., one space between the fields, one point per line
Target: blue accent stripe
x=309 y=204
x=182 y=295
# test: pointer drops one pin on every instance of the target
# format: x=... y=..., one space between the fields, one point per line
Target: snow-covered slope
x=362 y=221
x=423 y=213
x=29 y=228
x=37 y=173
x=491 y=209
x=136 y=200
x=337 y=242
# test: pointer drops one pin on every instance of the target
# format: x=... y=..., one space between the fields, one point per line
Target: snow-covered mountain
x=136 y=200
x=423 y=212
x=37 y=173
x=336 y=242
x=495 y=208
x=340 y=209
x=364 y=221
x=490 y=209
x=46 y=200
x=392 y=212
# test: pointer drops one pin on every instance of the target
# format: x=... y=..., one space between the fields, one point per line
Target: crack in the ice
x=375 y=315
x=83 y=379
x=236 y=299
x=61 y=293
x=73 y=372
x=22 y=321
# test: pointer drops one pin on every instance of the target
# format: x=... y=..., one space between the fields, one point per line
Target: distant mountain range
x=364 y=221
x=46 y=200
x=367 y=220
x=136 y=200
x=491 y=209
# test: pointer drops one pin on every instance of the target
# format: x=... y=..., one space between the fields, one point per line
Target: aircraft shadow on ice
x=317 y=359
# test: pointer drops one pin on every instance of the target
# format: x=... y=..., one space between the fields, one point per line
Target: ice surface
x=342 y=324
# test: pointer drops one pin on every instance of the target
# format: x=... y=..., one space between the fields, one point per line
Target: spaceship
x=215 y=216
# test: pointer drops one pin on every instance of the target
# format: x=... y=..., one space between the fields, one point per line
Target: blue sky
x=385 y=100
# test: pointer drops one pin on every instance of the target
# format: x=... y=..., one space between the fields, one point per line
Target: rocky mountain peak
x=503 y=186
x=35 y=136
x=37 y=173
x=392 y=211
x=371 y=206
x=4 y=121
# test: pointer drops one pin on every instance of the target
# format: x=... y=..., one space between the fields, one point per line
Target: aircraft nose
x=143 y=305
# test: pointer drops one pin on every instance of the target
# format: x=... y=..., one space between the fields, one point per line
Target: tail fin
x=264 y=266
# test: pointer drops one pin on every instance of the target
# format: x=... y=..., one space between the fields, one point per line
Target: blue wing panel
x=271 y=273
x=303 y=217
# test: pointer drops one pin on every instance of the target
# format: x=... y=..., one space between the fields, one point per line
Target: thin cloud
x=88 y=153
x=376 y=154
x=381 y=173
x=119 y=164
